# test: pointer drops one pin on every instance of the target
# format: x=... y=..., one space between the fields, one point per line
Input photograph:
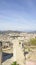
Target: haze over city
x=18 y=15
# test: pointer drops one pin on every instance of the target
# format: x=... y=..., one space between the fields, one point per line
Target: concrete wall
x=0 y=53
x=17 y=52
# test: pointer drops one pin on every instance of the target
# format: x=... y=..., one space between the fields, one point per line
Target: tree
x=33 y=41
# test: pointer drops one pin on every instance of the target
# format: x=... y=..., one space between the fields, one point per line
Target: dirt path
x=30 y=63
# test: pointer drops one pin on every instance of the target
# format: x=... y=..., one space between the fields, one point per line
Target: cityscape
x=17 y=32
x=16 y=45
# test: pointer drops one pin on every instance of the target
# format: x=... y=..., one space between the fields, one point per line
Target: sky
x=18 y=15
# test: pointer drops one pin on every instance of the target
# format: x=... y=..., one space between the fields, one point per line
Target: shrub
x=33 y=41
x=15 y=63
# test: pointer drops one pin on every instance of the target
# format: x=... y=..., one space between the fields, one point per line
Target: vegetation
x=33 y=41
x=15 y=63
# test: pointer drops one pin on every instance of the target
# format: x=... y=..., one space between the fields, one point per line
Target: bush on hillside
x=15 y=63
x=33 y=41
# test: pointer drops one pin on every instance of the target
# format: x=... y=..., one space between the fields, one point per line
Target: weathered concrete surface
x=18 y=53
x=0 y=58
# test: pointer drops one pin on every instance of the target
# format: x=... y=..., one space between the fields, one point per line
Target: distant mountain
x=31 y=32
x=11 y=31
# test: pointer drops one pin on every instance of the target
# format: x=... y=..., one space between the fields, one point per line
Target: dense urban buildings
x=16 y=45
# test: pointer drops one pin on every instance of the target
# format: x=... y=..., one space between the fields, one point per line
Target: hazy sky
x=18 y=15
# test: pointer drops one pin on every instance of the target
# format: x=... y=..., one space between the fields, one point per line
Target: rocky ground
x=29 y=61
